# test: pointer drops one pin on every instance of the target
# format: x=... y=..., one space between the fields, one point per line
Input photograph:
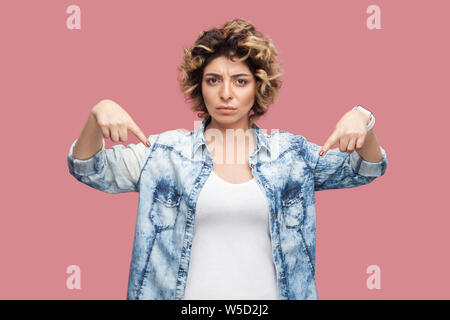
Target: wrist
x=368 y=116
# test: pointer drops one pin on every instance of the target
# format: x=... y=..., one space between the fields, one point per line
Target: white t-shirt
x=231 y=254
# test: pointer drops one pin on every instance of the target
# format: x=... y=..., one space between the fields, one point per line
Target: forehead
x=225 y=65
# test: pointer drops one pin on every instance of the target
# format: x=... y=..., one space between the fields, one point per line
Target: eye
x=214 y=80
x=209 y=80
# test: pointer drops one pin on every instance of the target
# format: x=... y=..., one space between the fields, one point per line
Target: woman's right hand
x=115 y=122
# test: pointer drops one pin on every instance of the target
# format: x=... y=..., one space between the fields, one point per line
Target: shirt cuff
x=87 y=167
x=366 y=168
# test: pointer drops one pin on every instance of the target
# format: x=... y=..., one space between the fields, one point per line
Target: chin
x=226 y=119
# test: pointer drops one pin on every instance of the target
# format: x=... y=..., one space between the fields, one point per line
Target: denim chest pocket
x=292 y=207
x=165 y=207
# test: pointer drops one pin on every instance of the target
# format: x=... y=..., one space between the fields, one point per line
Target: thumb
x=134 y=128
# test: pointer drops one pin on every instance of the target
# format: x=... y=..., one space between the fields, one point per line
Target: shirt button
x=266 y=186
x=278 y=246
x=169 y=201
x=273 y=216
x=252 y=166
x=282 y=274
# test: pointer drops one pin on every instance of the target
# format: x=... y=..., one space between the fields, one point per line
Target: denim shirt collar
x=199 y=138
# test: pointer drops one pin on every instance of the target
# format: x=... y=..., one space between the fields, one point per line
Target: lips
x=226 y=108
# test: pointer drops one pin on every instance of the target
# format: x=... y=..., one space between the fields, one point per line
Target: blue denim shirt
x=169 y=177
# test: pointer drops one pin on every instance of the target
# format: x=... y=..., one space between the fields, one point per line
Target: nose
x=225 y=91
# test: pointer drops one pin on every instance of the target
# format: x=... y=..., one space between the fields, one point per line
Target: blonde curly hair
x=235 y=39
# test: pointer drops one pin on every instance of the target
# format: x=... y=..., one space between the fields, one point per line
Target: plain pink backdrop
x=128 y=51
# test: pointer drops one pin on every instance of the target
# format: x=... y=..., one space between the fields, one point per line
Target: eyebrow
x=233 y=76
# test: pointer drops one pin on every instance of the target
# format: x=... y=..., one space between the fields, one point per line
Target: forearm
x=370 y=151
x=90 y=141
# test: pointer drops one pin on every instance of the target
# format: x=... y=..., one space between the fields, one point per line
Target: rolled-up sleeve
x=338 y=169
x=113 y=170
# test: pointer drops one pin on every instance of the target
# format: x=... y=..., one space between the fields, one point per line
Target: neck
x=240 y=131
x=222 y=127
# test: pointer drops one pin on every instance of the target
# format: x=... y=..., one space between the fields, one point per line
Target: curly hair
x=235 y=39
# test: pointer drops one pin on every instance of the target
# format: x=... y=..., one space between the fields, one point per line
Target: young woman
x=226 y=211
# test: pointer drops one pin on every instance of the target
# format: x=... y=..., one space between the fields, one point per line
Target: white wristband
x=372 y=118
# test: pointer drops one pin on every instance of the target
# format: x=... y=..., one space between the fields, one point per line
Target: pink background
x=128 y=51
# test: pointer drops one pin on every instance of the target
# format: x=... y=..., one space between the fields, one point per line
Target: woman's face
x=228 y=83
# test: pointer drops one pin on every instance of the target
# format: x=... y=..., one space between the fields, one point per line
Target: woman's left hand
x=350 y=132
